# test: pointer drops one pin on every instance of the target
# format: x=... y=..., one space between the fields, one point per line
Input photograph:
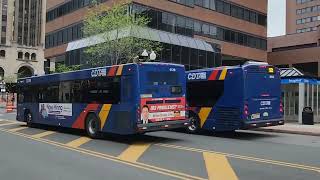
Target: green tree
x=63 y=68
x=111 y=29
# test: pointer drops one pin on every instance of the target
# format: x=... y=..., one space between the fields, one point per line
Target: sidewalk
x=293 y=128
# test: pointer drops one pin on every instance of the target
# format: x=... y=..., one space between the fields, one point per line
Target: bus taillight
x=246 y=109
x=281 y=106
x=138 y=112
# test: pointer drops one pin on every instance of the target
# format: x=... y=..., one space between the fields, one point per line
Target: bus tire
x=28 y=118
x=92 y=126
x=194 y=126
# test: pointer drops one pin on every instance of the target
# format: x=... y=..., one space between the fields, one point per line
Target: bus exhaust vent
x=227 y=116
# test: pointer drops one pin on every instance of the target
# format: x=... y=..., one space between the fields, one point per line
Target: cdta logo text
x=196 y=76
x=98 y=72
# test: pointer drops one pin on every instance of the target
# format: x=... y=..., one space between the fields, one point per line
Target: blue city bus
x=236 y=97
x=123 y=99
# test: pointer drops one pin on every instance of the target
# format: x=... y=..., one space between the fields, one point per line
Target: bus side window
x=103 y=90
x=204 y=93
x=127 y=89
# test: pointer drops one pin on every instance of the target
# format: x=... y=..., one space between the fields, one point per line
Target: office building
x=298 y=54
x=202 y=33
x=22 y=38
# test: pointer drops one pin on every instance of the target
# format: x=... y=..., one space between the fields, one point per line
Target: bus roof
x=249 y=63
x=85 y=73
x=215 y=68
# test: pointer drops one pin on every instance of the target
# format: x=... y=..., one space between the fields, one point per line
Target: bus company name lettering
x=197 y=76
x=98 y=72
x=265 y=103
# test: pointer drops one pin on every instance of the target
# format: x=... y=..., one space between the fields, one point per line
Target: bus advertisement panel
x=166 y=110
x=231 y=98
x=115 y=99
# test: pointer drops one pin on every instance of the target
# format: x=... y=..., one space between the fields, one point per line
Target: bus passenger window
x=204 y=93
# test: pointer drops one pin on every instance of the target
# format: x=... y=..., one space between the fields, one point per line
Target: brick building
x=299 y=48
x=235 y=28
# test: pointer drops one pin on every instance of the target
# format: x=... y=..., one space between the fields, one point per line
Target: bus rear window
x=162 y=78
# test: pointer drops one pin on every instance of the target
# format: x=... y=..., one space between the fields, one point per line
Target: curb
x=288 y=131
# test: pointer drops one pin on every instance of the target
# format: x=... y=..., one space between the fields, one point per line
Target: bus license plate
x=255 y=116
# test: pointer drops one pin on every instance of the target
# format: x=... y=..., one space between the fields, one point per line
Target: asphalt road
x=52 y=153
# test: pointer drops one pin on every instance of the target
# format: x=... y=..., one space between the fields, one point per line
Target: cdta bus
x=124 y=99
x=232 y=98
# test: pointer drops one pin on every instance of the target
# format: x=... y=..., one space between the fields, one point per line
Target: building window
x=33 y=56
x=4 y=21
x=1 y=73
x=20 y=55
x=64 y=35
x=27 y=56
x=73 y=5
x=2 y=53
x=234 y=10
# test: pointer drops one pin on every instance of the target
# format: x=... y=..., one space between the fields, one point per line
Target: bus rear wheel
x=194 y=126
x=28 y=118
x=93 y=126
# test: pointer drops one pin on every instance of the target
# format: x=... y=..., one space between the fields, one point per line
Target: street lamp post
x=145 y=55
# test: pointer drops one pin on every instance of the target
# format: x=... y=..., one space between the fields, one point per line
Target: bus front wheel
x=194 y=125
x=93 y=126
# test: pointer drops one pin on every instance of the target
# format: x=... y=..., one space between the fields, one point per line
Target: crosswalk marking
x=218 y=167
x=43 y=134
x=134 y=152
x=5 y=124
x=78 y=142
x=17 y=129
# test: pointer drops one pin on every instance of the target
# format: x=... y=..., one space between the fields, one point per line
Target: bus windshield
x=162 y=78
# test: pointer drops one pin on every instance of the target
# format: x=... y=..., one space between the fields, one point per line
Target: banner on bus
x=162 y=109
x=57 y=109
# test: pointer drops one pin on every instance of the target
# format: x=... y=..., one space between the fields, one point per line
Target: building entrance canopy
x=143 y=33
x=299 y=91
x=300 y=80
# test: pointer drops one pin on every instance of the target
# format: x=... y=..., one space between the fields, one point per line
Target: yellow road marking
x=43 y=134
x=17 y=129
x=143 y=166
x=223 y=74
x=203 y=115
x=103 y=115
x=78 y=142
x=134 y=152
x=218 y=167
x=5 y=124
x=248 y=158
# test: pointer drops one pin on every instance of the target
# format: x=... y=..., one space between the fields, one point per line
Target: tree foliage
x=63 y=68
x=113 y=27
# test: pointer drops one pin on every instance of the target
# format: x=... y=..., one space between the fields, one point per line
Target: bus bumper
x=166 y=125
x=263 y=123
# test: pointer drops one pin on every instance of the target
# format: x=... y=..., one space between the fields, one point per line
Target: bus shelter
x=299 y=91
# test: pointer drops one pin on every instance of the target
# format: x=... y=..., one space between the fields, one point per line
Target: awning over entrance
x=299 y=91
x=290 y=72
x=294 y=76
x=144 y=33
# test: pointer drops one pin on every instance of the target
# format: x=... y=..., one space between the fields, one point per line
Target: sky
x=276 y=17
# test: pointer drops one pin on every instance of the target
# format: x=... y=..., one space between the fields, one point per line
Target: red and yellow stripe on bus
x=218 y=74
x=105 y=109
